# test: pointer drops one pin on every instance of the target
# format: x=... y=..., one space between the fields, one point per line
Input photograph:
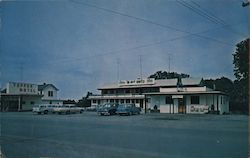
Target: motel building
x=19 y=96
x=185 y=96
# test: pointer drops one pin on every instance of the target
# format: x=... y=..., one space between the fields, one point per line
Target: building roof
x=158 y=83
x=183 y=93
x=43 y=86
x=191 y=81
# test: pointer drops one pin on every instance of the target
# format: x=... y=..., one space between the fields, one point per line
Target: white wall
x=205 y=102
x=28 y=100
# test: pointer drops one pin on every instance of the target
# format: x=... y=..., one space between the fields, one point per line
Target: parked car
x=128 y=109
x=107 y=109
x=45 y=109
x=68 y=109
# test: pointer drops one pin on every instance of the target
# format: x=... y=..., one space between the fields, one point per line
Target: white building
x=19 y=96
x=49 y=92
x=187 y=95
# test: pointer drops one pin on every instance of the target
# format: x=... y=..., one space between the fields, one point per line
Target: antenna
x=21 y=71
x=169 y=59
x=118 y=69
x=140 y=67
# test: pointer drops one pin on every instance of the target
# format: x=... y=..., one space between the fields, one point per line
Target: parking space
x=146 y=135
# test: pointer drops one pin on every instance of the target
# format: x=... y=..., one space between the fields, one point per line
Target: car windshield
x=107 y=105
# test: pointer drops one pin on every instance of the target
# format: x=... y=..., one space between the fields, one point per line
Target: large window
x=169 y=100
x=195 y=100
x=50 y=93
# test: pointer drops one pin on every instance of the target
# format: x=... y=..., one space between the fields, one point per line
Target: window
x=50 y=93
x=111 y=91
x=195 y=100
x=133 y=101
x=20 y=89
x=137 y=101
x=122 y=100
x=32 y=102
x=94 y=101
x=127 y=101
x=127 y=91
x=111 y=100
x=169 y=100
x=104 y=92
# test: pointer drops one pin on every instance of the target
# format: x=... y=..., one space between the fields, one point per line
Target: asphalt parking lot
x=88 y=135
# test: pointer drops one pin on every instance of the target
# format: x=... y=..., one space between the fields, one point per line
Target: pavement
x=87 y=135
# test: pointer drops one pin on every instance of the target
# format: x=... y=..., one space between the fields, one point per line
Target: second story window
x=50 y=93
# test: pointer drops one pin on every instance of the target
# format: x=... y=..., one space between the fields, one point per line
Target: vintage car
x=107 y=109
x=45 y=109
x=128 y=109
x=68 y=109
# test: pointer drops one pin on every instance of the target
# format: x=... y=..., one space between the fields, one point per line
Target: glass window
x=169 y=100
x=50 y=93
x=94 y=101
x=195 y=100
x=122 y=100
x=127 y=101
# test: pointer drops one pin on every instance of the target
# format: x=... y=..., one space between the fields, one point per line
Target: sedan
x=128 y=109
x=107 y=109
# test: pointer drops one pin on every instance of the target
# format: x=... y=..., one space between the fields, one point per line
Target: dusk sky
x=77 y=45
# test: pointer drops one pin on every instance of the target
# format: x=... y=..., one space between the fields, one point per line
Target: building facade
x=187 y=95
x=19 y=96
x=49 y=93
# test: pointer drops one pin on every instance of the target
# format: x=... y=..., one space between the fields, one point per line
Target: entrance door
x=181 y=106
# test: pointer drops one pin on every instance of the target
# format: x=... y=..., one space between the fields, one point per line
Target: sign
x=177 y=96
x=147 y=81
x=199 y=109
x=21 y=88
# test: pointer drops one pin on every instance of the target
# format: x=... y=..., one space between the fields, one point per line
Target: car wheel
x=45 y=112
x=81 y=111
x=39 y=113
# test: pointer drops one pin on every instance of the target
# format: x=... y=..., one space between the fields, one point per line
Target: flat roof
x=183 y=93
x=6 y=94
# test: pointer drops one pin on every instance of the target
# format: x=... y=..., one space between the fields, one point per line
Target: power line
x=207 y=15
x=148 y=21
x=137 y=47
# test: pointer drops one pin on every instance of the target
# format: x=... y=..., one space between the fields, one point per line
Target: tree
x=85 y=102
x=240 y=60
x=241 y=72
x=167 y=75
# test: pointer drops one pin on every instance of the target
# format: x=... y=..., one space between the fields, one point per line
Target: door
x=181 y=106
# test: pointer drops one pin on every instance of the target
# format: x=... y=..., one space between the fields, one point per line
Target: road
x=87 y=135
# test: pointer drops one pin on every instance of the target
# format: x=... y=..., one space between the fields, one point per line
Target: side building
x=187 y=95
x=19 y=96
x=49 y=93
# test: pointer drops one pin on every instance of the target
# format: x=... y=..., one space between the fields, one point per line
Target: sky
x=80 y=45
